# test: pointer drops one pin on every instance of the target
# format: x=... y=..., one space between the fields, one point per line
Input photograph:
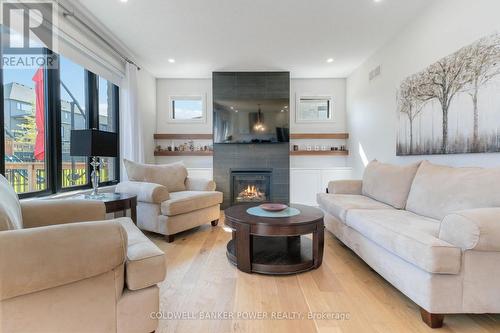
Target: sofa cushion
x=339 y=204
x=411 y=237
x=188 y=201
x=389 y=183
x=10 y=208
x=172 y=176
x=441 y=190
x=145 y=265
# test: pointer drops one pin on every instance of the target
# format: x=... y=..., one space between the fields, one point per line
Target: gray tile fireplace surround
x=274 y=156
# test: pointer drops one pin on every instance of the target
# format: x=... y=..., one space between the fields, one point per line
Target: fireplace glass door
x=250 y=186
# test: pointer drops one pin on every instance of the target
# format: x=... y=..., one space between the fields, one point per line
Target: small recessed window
x=314 y=109
x=187 y=109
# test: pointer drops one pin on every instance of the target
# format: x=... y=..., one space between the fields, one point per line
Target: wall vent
x=374 y=73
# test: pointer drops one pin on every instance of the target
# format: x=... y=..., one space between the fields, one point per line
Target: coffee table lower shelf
x=278 y=254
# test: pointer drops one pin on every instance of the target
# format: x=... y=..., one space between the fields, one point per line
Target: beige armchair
x=168 y=200
x=60 y=274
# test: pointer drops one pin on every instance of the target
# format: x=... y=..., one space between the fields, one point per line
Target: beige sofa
x=60 y=275
x=432 y=231
x=169 y=201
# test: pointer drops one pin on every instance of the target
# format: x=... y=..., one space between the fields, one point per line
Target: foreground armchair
x=168 y=200
x=63 y=268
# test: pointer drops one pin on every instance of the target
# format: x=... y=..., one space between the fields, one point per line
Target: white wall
x=187 y=87
x=146 y=83
x=440 y=30
x=166 y=88
x=318 y=87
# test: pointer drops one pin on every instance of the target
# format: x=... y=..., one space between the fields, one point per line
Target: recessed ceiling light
x=171 y=60
x=236 y=111
x=329 y=60
x=123 y=0
x=377 y=0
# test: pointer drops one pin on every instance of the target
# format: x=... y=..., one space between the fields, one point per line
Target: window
x=74 y=116
x=35 y=156
x=187 y=109
x=24 y=125
x=107 y=122
x=314 y=109
x=27 y=107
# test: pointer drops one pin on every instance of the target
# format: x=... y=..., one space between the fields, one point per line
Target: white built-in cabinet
x=305 y=183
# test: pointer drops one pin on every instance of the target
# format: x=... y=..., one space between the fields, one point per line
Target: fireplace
x=249 y=186
x=251 y=163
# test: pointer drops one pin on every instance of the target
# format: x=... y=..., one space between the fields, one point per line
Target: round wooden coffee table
x=275 y=245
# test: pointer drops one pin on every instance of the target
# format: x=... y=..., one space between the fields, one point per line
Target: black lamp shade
x=92 y=142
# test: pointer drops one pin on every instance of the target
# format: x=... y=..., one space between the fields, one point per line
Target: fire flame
x=251 y=192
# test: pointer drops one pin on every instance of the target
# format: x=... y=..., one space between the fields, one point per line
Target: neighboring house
x=9 y=143
x=19 y=102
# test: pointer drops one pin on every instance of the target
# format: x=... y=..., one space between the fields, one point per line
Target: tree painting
x=453 y=106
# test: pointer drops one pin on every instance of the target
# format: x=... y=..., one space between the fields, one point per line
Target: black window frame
x=53 y=125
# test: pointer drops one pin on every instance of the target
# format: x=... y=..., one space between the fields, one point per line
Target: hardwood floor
x=200 y=281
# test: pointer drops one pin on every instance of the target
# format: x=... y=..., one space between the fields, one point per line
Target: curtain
x=131 y=136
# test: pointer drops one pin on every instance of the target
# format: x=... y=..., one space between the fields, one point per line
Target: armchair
x=169 y=201
x=63 y=268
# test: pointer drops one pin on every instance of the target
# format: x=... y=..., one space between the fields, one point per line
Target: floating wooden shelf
x=184 y=153
x=319 y=153
x=183 y=136
x=319 y=136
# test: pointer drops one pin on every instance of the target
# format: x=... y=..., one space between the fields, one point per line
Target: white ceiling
x=216 y=35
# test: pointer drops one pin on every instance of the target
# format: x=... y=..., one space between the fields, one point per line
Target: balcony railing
x=31 y=176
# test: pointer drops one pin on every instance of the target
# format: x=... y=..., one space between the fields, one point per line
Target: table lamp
x=94 y=143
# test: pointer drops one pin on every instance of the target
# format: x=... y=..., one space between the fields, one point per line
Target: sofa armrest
x=40 y=213
x=146 y=192
x=199 y=184
x=473 y=229
x=36 y=259
x=345 y=187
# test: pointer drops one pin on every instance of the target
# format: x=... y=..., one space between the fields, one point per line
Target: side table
x=115 y=202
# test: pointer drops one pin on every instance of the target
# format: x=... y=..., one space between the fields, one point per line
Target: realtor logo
x=27 y=33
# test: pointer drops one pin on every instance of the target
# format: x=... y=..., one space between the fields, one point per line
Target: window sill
x=68 y=194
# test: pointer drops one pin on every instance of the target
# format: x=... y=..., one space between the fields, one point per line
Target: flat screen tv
x=251 y=120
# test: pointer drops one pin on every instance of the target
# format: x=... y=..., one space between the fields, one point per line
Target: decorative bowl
x=273 y=207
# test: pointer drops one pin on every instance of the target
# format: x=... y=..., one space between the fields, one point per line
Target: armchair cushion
x=10 y=209
x=389 y=183
x=199 y=184
x=145 y=264
x=172 y=176
x=474 y=229
x=345 y=187
x=35 y=259
x=146 y=192
x=40 y=213
x=188 y=201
